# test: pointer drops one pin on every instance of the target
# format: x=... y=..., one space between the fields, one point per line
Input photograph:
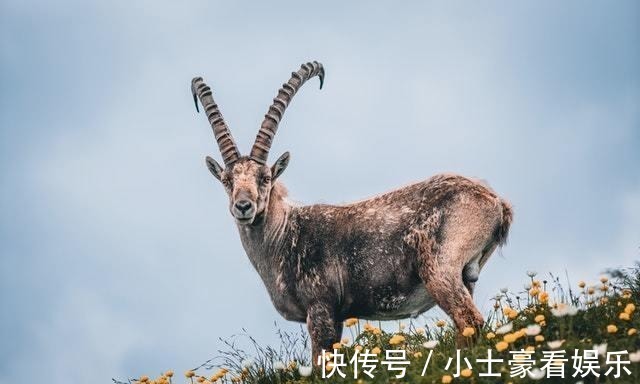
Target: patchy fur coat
x=392 y=256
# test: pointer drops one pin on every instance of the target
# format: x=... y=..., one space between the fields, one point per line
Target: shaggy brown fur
x=388 y=257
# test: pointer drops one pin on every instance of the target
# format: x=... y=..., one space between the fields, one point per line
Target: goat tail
x=502 y=230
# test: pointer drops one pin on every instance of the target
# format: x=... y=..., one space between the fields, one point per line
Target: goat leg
x=323 y=330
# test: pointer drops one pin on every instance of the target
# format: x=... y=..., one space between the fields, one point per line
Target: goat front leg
x=339 y=327
x=323 y=330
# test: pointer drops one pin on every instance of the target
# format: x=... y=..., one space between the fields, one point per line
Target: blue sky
x=117 y=254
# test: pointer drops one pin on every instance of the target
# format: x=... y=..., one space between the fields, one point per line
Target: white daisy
x=601 y=348
x=304 y=370
x=555 y=344
x=532 y=330
x=504 y=329
x=536 y=373
x=430 y=344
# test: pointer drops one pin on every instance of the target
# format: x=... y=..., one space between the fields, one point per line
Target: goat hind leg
x=445 y=284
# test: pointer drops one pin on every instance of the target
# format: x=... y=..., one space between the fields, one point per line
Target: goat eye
x=266 y=179
x=225 y=182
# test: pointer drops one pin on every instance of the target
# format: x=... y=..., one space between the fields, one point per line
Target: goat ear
x=215 y=168
x=280 y=165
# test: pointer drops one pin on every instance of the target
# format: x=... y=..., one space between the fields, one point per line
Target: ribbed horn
x=262 y=145
x=228 y=148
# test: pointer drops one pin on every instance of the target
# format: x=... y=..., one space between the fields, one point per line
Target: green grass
x=599 y=318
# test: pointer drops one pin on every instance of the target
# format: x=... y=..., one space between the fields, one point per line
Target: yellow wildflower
x=446 y=379
x=417 y=355
x=396 y=339
x=189 y=374
x=201 y=379
x=468 y=331
x=501 y=346
x=358 y=348
x=376 y=331
x=603 y=279
x=337 y=345
x=534 y=292
x=539 y=318
x=629 y=308
x=510 y=338
x=441 y=323
x=350 y=322
x=169 y=373
x=143 y=379
x=591 y=290
x=604 y=287
x=539 y=338
x=543 y=297
x=536 y=283
x=581 y=284
x=632 y=331
x=624 y=316
x=466 y=372
x=345 y=340
x=611 y=328
x=420 y=331
x=530 y=348
x=490 y=335
x=376 y=351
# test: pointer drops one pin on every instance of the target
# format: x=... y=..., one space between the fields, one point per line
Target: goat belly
x=387 y=303
x=401 y=306
x=288 y=307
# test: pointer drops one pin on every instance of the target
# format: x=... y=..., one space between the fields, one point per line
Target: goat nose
x=243 y=205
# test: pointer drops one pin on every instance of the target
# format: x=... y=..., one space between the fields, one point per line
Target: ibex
x=392 y=256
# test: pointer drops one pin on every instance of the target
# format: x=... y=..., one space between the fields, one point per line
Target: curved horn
x=262 y=145
x=228 y=148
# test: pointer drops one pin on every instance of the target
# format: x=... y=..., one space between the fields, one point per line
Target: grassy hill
x=546 y=330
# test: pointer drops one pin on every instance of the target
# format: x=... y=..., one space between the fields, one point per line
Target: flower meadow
x=545 y=332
